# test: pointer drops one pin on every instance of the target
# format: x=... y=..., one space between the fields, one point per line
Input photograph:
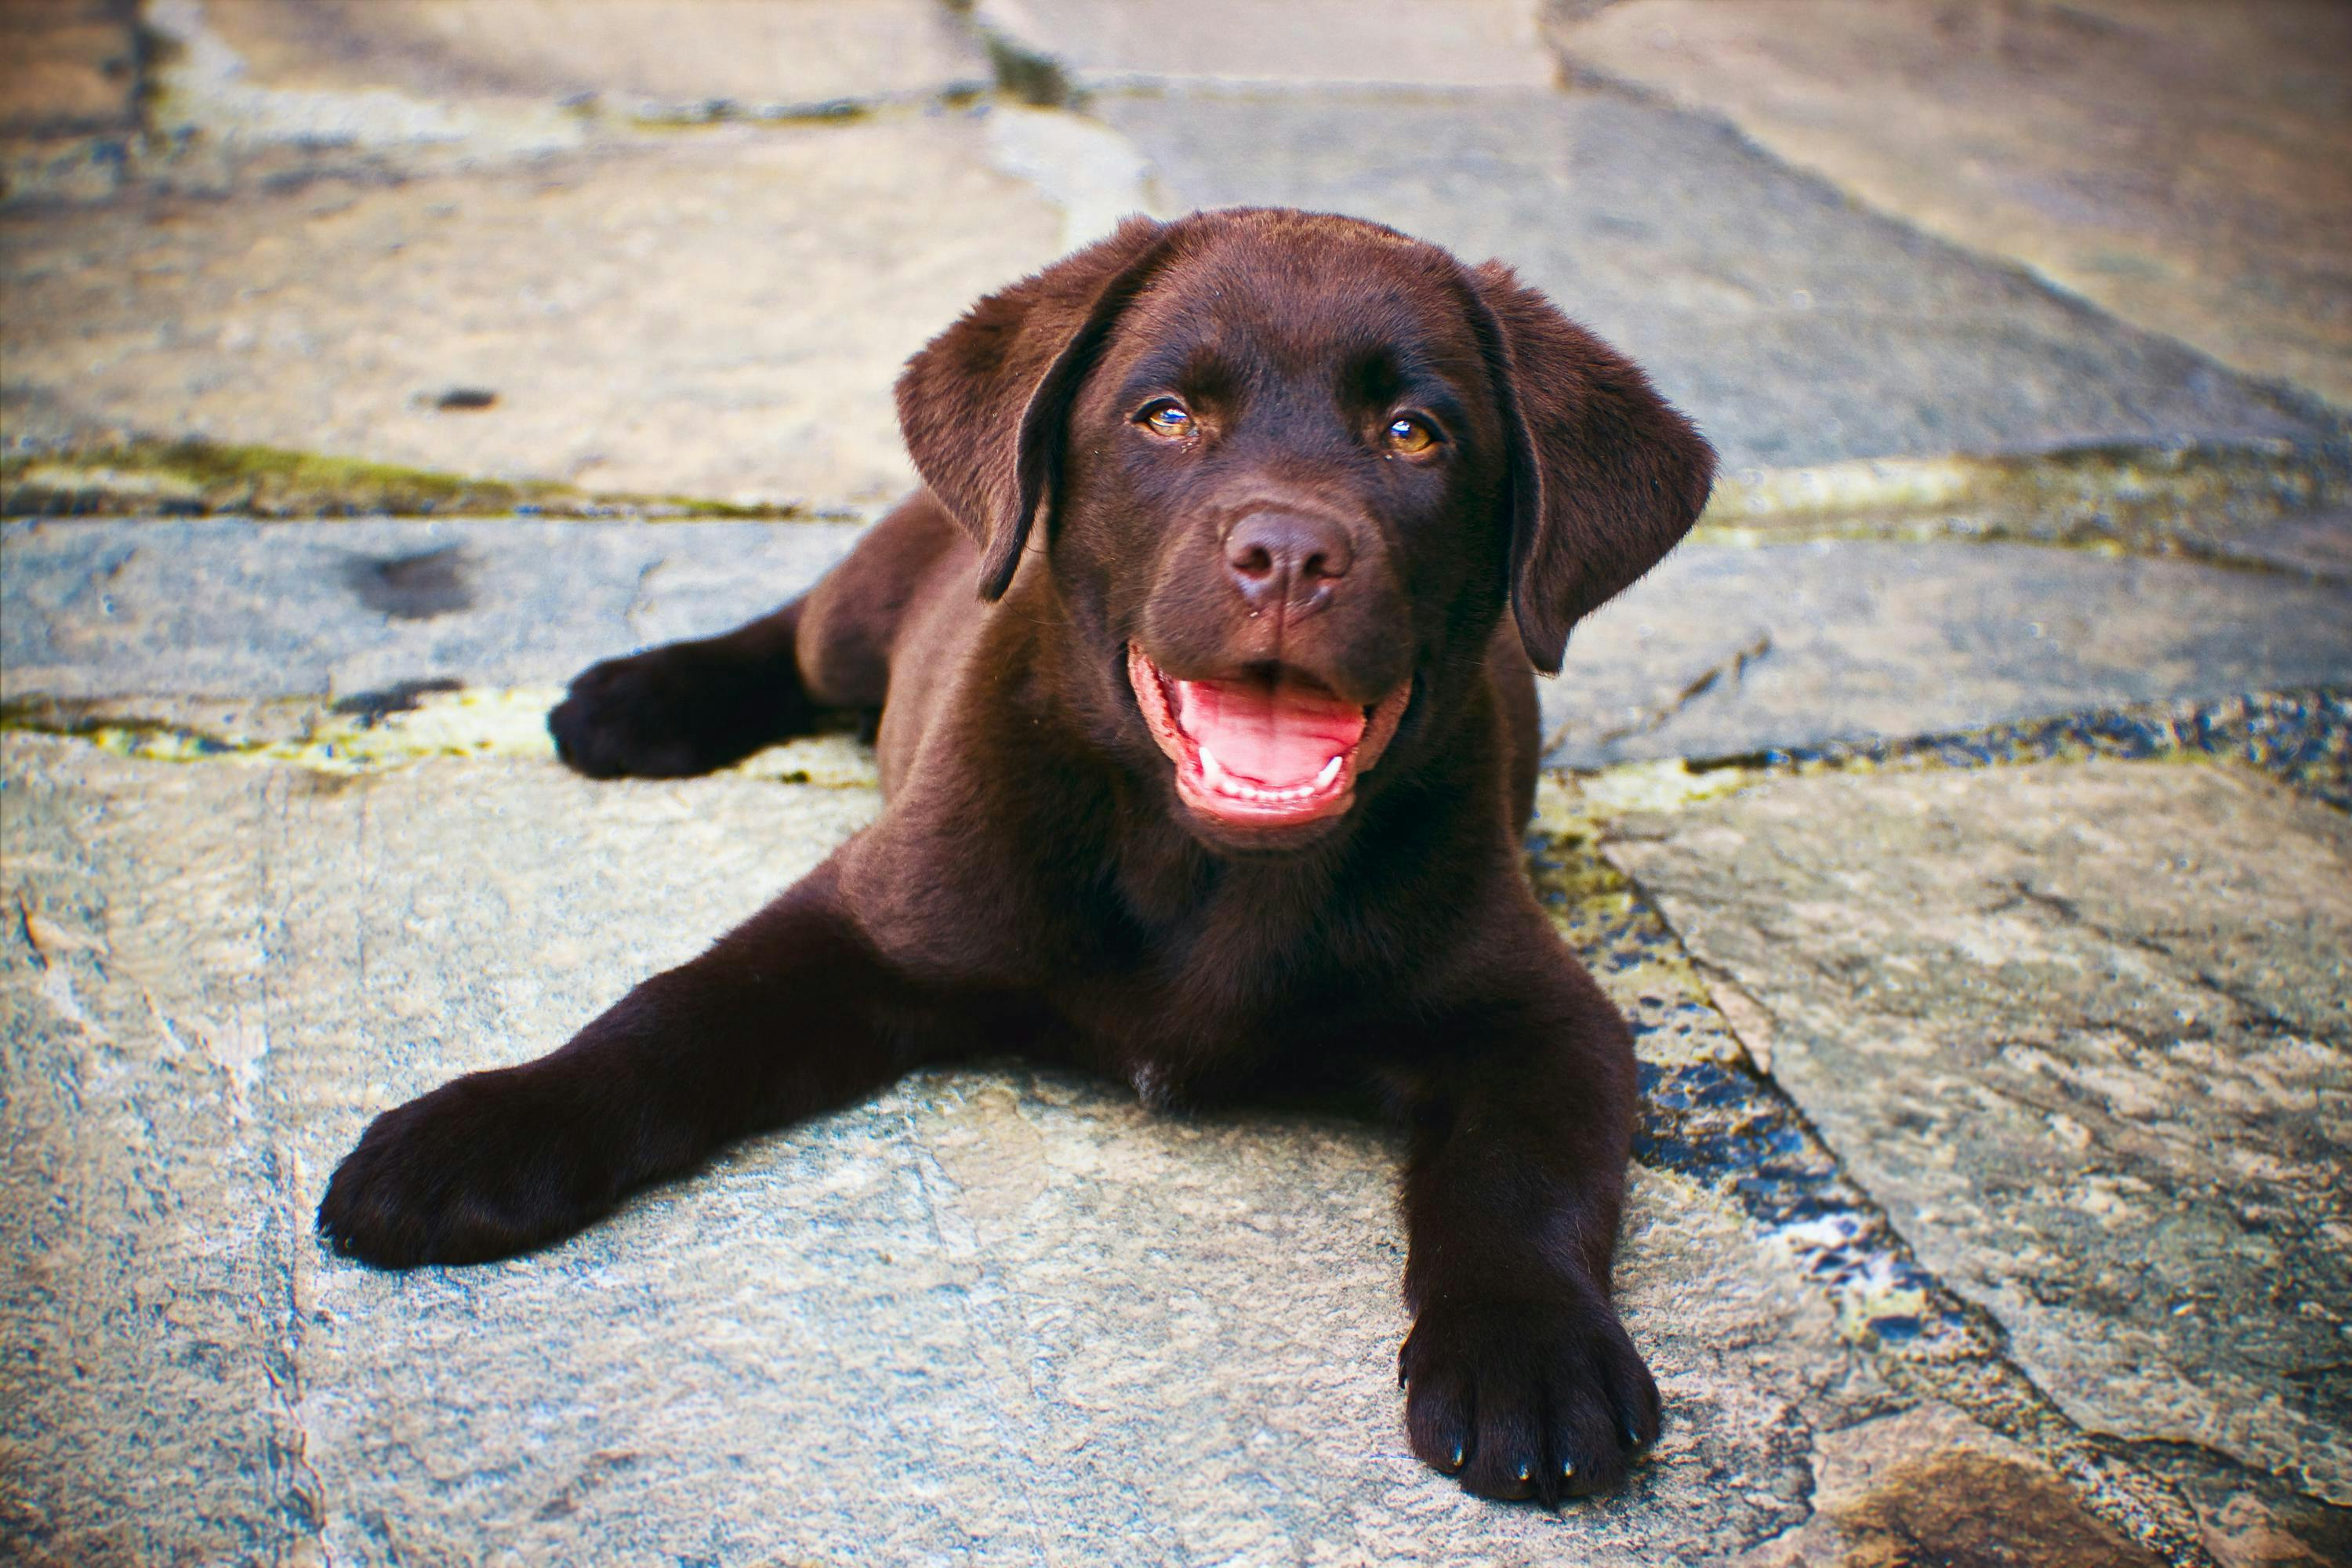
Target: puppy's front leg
x=1521 y=1381
x=782 y=1017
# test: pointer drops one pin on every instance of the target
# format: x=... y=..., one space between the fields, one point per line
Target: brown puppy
x=1218 y=785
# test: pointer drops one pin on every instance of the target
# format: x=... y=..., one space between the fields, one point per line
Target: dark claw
x=1505 y=1396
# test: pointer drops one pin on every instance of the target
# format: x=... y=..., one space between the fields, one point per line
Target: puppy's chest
x=1234 y=989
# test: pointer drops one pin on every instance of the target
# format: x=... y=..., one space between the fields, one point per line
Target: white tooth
x=1330 y=770
x=1212 y=772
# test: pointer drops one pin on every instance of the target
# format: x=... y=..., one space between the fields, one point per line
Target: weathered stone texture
x=635 y=56
x=67 y=67
x=1803 y=644
x=68 y=97
x=720 y=314
x=2084 y=1030
x=2187 y=166
x=1927 y=1485
x=146 y=1393
x=224 y=607
x=994 y=1313
x=1466 y=42
x=1723 y=650
x=1796 y=328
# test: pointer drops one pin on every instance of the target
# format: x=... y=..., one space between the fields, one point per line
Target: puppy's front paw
x=1527 y=1399
x=669 y=713
x=482 y=1167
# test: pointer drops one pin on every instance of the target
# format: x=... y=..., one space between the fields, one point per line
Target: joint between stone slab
x=1952 y=1349
x=195 y=478
x=2300 y=737
x=2192 y=499
x=376 y=732
x=2189 y=500
x=1724 y=672
x=302 y=1492
x=1575 y=71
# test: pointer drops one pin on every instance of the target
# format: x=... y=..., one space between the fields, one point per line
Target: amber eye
x=1408 y=436
x=1169 y=420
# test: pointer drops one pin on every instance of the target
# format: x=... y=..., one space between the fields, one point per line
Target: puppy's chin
x=1265 y=763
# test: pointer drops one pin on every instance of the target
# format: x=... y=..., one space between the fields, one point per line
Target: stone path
x=1959 y=815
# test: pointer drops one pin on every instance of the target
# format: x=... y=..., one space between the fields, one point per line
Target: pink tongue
x=1273 y=734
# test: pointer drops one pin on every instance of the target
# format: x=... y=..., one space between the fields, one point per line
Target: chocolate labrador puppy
x=1217 y=784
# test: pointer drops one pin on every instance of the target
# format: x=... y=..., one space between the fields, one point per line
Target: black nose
x=1283 y=559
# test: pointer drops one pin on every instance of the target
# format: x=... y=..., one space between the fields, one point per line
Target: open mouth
x=1262 y=751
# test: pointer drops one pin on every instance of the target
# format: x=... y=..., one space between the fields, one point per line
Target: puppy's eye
x=1168 y=418
x=1408 y=437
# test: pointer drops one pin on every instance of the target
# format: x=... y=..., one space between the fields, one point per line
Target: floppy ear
x=1605 y=475
x=983 y=405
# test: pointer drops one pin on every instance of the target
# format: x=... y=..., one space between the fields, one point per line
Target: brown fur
x=1034 y=883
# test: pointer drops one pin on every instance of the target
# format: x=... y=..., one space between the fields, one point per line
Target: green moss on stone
x=201 y=477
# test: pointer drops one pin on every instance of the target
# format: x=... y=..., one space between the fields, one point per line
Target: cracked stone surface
x=720 y=314
x=1843 y=639
x=1732 y=278
x=1988 y=1207
x=2084 y=1031
x=1785 y=646
x=2186 y=166
x=883 y=1333
x=1788 y=646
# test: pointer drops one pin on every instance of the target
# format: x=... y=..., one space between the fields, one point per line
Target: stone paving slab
x=1725 y=649
x=1093 y=47
x=994 y=1316
x=219 y=607
x=2083 y=1029
x=644 y=56
x=1793 y=327
x=69 y=96
x=1785 y=646
x=753 y=291
x=719 y=312
x=2186 y=166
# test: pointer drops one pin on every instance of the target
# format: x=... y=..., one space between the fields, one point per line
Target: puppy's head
x=1288 y=470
